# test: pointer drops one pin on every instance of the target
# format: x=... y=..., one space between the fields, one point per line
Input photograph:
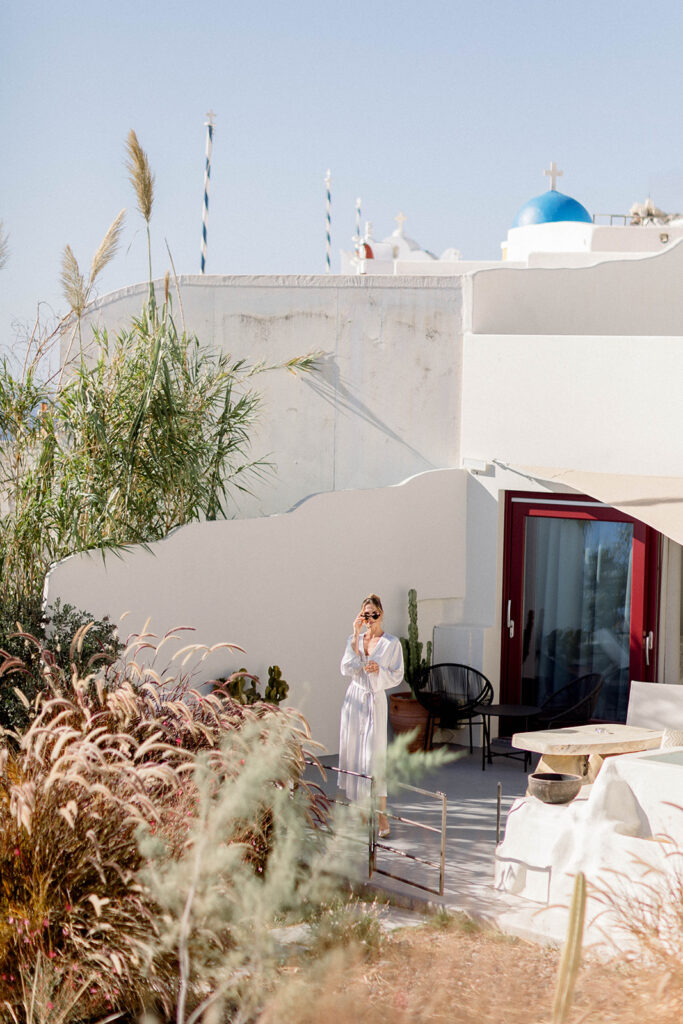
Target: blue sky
x=448 y=111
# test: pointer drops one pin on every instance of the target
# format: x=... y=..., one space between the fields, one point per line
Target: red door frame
x=644 y=585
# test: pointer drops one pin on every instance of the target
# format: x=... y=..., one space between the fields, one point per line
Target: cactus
x=571 y=954
x=234 y=685
x=414 y=665
x=276 y=687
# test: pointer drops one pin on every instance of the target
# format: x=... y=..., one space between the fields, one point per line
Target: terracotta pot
x=406 y=714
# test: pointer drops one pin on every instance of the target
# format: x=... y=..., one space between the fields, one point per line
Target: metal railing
x=619 y=218
x=441 y=865
x=374 y=844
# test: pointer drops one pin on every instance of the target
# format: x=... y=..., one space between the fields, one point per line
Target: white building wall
x=543 y=367
x=567 y=238
x=562 y=237
x=619 y=298
x=287 y=588
x=596 y=403
x=385 y=402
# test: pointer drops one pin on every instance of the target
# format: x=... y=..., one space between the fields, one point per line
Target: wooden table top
x=608 y=738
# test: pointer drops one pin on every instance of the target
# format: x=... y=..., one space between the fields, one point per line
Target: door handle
x=649 y=645
x=510 y=621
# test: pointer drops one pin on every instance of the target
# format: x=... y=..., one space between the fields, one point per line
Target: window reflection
x=577 y=608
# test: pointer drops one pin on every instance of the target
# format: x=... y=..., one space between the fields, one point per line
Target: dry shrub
x=117 y=783
x=470 y=975
x=649 y=916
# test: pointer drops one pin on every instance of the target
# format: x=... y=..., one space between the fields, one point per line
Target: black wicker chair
x=573 y=704
x=450 y=693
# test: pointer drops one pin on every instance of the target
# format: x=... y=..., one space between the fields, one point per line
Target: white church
x=503 y=436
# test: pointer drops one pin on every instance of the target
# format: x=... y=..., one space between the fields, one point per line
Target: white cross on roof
x=400 y=220
x=553 y=173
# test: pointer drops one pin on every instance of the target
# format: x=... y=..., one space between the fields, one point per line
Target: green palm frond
x=303 y=364
x=150 y=432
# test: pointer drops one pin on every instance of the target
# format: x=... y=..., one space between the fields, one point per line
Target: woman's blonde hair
x=373 y=599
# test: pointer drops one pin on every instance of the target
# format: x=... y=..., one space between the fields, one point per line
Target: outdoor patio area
x=470 y=846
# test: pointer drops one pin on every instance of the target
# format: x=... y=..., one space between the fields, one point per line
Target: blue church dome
x=551 y=207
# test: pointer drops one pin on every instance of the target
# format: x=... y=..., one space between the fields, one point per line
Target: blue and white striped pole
x=328 y=223
x=358 y=234
x=207 y=178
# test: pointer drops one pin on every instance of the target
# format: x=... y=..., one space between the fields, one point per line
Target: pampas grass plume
x=108 y=246
x=73 y=282
x=140 y=175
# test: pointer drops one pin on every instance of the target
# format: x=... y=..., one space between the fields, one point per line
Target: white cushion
x=671 y=738
x=655 y=705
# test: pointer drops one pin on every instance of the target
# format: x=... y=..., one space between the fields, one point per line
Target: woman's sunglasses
x=370 y=615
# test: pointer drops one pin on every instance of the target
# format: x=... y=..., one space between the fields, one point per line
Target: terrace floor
x=470 y=847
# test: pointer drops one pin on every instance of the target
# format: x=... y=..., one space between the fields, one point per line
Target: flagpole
x=207 y=179
x=328 y=223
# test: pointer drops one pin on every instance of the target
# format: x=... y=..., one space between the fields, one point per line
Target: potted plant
x=405 y=711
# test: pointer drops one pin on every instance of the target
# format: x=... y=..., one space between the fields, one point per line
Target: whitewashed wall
x=577 y=368
x=287 y=587
x=596 y=240
x=596 y=403
x=618 y=298
x=385 y=404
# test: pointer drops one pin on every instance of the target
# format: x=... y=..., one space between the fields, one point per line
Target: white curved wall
x=286 y=588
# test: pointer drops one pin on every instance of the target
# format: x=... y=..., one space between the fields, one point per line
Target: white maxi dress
x=363 y=730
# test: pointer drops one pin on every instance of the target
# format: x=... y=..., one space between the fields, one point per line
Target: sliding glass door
x=579 y=597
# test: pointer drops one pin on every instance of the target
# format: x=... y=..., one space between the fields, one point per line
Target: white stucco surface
x=385 y=402
x=565 y=238
x=602 y=404
x=286 y=588
x=616 y=297
x=622 y=832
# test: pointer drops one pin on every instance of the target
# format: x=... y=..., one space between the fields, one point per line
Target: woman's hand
x=358 y=623
x=372 y=666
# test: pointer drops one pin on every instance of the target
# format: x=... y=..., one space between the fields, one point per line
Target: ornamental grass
x=150 y=835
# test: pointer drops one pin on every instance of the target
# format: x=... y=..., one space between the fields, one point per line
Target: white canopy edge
x=654 y=500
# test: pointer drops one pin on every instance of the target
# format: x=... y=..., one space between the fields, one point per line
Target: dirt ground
x=463 y=974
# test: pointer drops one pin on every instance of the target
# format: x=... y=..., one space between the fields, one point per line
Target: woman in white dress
x=374 y=660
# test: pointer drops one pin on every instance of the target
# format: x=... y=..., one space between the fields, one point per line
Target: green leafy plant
x=345 y=922
x=26 y=647
x=218 y=914
x=152 y=840
x=134 y=435
x=118 y=790
x=445 y=920
x=415 y=667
